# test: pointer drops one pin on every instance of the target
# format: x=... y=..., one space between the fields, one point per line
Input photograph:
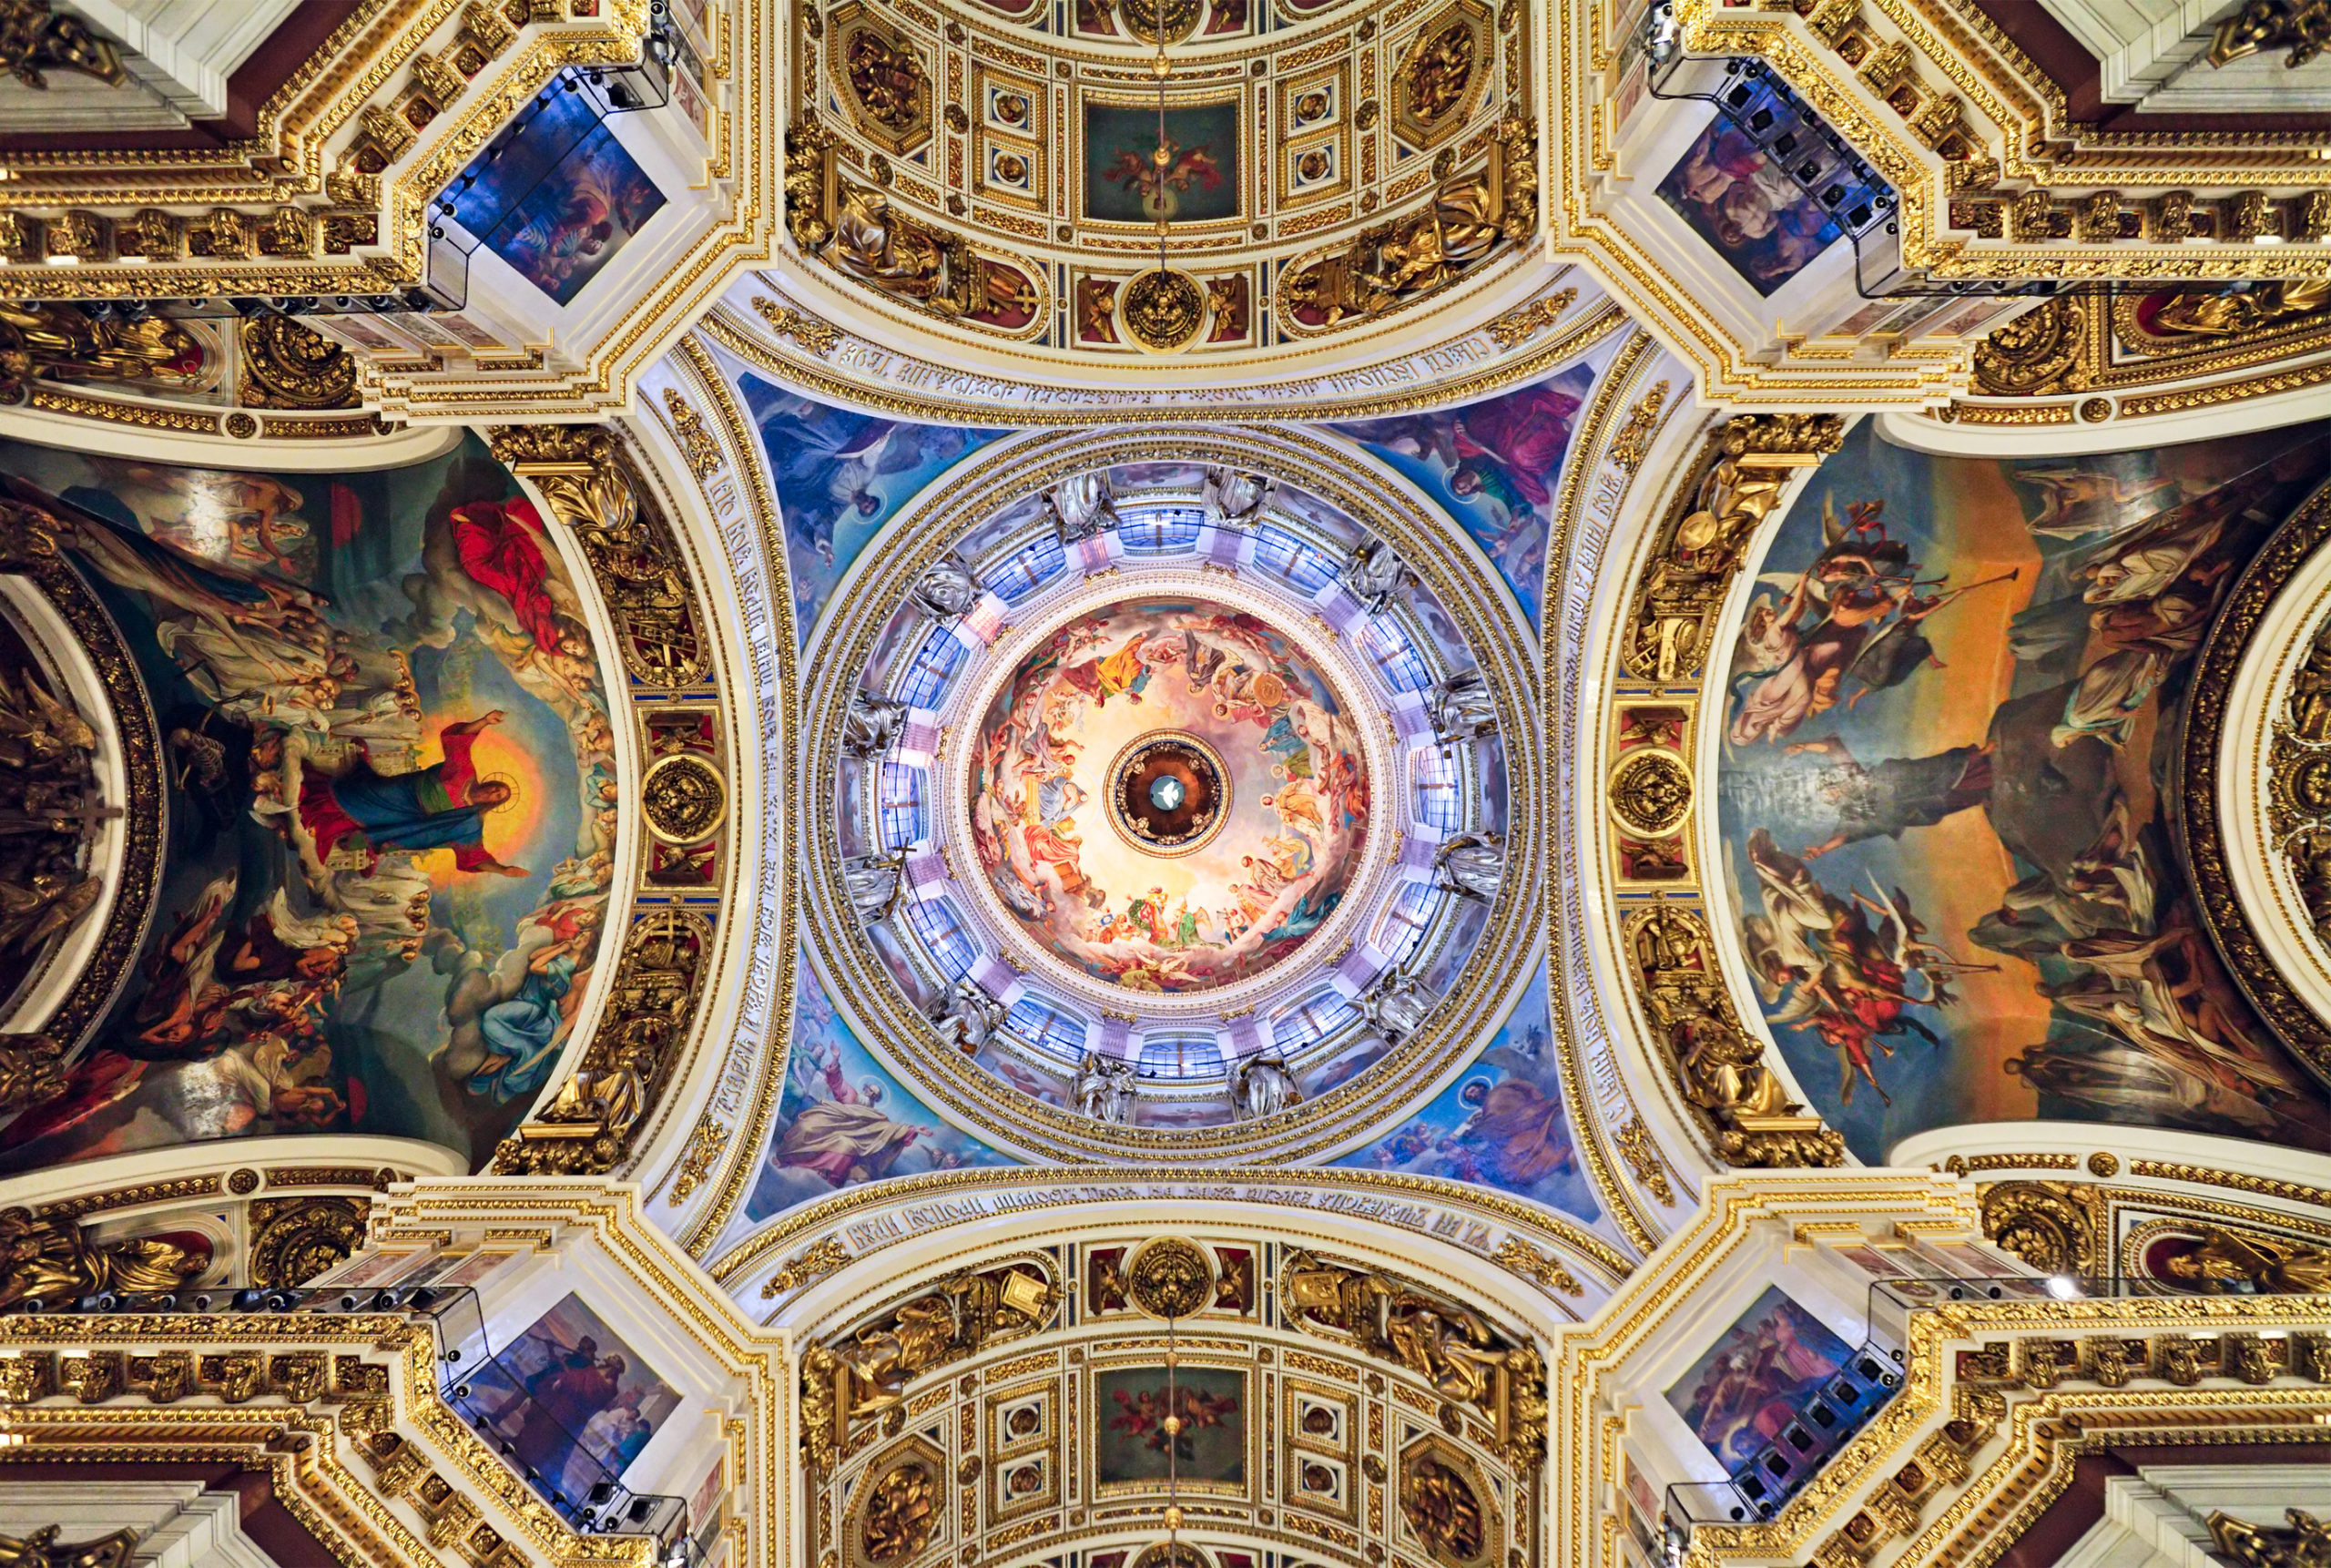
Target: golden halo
x=507 y=782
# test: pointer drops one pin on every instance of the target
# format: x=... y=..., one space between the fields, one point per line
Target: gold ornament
x=902 y=1512
x=1709 y=535
x=1159 y=20
x=2302 y=26
x=41 y=1549
x=588 y=479
x=703 y=453
x=1518 y=327
x=1440 y=77
x=1164 y=309
x=1633 y=443
x=2046 y=1224
x=684 y=798
x=2305 y=1544
x=49 y=1261
x=587 y=1129
x=1635 y=1147
x=1170 y=1277
x=1651 y=792
x=2249 y=1263
x=867 y=1372
x=63 y=342
x=34 y=41
x=1719 y=1065
x=294 y=1239
x=1472 y=217
x=1450 y=1345
x=287 y=364
x=1443 y=1512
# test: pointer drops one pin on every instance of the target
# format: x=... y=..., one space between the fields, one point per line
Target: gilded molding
x=2199 y=819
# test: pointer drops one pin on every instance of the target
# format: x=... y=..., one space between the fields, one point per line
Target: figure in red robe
x=499 y=544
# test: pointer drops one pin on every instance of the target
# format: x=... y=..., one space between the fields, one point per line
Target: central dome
x=1168 y=794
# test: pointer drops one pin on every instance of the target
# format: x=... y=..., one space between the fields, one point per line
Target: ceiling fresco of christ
x=1168 y=794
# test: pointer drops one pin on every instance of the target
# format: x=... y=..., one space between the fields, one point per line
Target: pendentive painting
x=1169 y=795
x=1953 y=721
x=1494 y=465
x=392 y=803
x=844 y=1120
x=1197 y=183
x=1502 y=1123
x=1132 y=1444
x=574 y=1402
x=1744 y=204
x=839 y=477
x=1747 y=1387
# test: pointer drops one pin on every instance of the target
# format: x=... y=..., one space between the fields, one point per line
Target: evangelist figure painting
x=575 y=1404
x=392 y=801
x=1737 y=199
x=839 y=477
x=844 y=1120
x=557 y=197
x=1502 y=1123
x=1950 y=729
x=1494 y=465
x=1747 y=1387
x=1294 y=823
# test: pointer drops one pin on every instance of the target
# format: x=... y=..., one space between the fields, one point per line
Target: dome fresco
x=1058 y=781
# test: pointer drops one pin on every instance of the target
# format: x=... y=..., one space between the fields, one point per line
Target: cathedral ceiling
x=1534 y=628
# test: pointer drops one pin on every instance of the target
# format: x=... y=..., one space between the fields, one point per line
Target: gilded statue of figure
x=895 y=255
x=884 y=1358
x=2310 y=698
x=955 y=1317
x=2306 y=1542
x=65 y=342
x=2208 y=314
x=1449 y=1347
x=2227 y=1264
x=51 y=1260
x=1458 y=230
x=41 y=1549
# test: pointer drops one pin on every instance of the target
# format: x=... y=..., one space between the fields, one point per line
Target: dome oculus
x=1169 y=795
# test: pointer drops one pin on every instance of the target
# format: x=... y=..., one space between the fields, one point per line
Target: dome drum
x=1314 y=845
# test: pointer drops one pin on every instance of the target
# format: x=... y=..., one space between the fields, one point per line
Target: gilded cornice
x=1716 y=1071
x=860 y=1223
x=2208 y=777
x=664 y=953
x=840 y=364
x=379 y=43
x=758 y=935
x=353 y=1385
